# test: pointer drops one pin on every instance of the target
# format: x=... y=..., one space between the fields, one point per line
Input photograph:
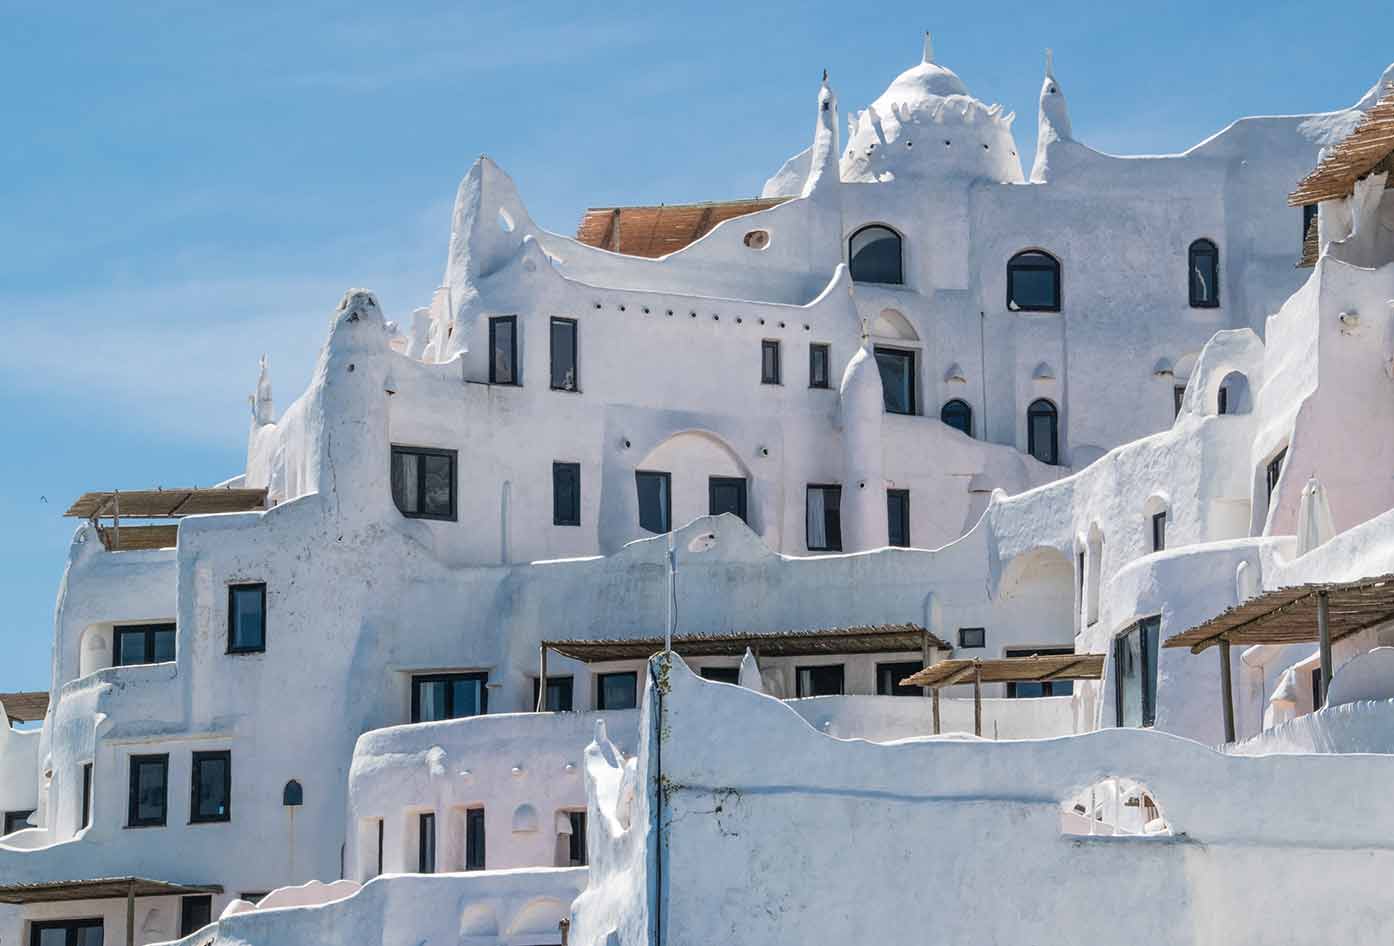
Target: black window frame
x=1048 y=687
x=815 y=351
x=718 y=482
x=1178 y=398
x=1309 y=216
x=799 y=671
x=831 y=546
x=426 y=842
x=566 y=682
x=560 y=516
x=721 y=674
x=1222 y=400
x=892 y=672
x=910 y=356
x=902 y=519
x=1159 y=531
x=146 y=631
x=190 y=909
x=481 y=676
x=667 y=478
x=232 y=590
x=382 y=825
x=1016 y=265
x=1273 y=472
x=86 y=795
x=958 y=406
x=133 y=819
x=900 y=256
x=476 y=842
x=768 y=346
x=69 y=927
x=1197 y=249
x=199 y=759
x=1043 y=407
x=600 y=679
x=576 y=843
x=13 y=819
x=556 y=322
x=1149 y=634
x=452 y=455
x=494 y=323
x=965 y=634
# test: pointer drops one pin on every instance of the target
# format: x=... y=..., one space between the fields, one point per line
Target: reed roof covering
x=877 y=639
x=25 y=707
x=138 y=538
x=100 y=888
x=166 y=503
x=666 y=228
x=1365 y=150
x=1035 y=668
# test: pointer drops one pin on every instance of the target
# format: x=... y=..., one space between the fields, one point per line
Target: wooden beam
x=1226 y=691
x=935 y=699
x=977 y=699
x=1324 y=640
x=131 y=912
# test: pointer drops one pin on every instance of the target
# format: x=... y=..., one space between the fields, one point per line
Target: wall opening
x=1114 y=807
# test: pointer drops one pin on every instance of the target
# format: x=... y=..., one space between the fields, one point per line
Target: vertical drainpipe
x=982 y=370
x=659 y=795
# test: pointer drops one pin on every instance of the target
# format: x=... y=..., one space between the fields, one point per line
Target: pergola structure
x=659 y=230
x=1320 y=613
x=1037 y=668
x=102 y=888
x=157 y=504
x=25 y=707
x=874 y=639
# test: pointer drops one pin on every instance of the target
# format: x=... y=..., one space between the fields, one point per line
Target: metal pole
x=542 y=679
x=977 y=699
x=130 y=912
x=1324 y=640
x=672 y=592
x=1226 y=690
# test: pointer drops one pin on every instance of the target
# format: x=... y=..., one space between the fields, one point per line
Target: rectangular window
x=898 y=517
x=381 y=825
x=448 y=696
x=617 y=691
x=17 y=821
x=1309 y=217
x=246 y=618
x=559 y=692
x=972 y=637
x=474 y=839
x=1030 y=688
x=823 y=514
x=566 y=494
x=820 y=681
x=503 y=350
x=149 y=791
x=564 y=376
x=1135 y=673
x=144 y=644
x=576 y=844
x=1317 y=700
x=655 y=500
x=1159 y=531
x=722 y=674
x=819 y=366
x=1178 y=397
x=423 y=482
x=726 y=494
x=897 y=379
x=256 y=896
x=86 y=794
x=888 y=677
x=211 y=794
x=1222 y=401
x=1275 y=471
x=194 y=914
x=426 y=843
x=769 y=361
x=66 y=933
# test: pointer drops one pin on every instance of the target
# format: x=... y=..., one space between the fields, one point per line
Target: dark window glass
x=1032 y=688
x=503 y=350
x=1204 y=260
x=448 y=696
x=726 y=494
x=958 y=415
x=426 y=843
x=66 y=933
x=246 y=618
x=1043 y=431
x=873 y=255
x=1079 y=571
x=1309 y=220
x=292 y=795
x=888 y=677
x=971 y=637
x=576 y=843
x=897 y=379
x=898 y=517
x=1033 y=282
x=566 y=494
x=423 y=482
x=820 y=681
x=149 y=794
x=823 y=518
x=655 y=500
x=769 y=362
x=722 y=674
x=559 y=690
x=194 y=914
x=474 y=839
x=1222 y=400
x=1275 y=471
x=819 y=366
x=1178 y=397
x=381 y=824
x=564 y=376
x=144 y=644
x=1159 y=531
x=212 y=787
x=256 y=896
x=617 y=691
x=18 y=821
x=86 y=794
x=1317 y=701
x=1135 y=673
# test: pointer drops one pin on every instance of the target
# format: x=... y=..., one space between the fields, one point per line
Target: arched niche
x=94 y=652
x=1037 y=590
x=702 y=467
x=1232 y=395
x=892 y=324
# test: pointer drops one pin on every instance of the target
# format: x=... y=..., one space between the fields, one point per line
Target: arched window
x=1043 y=431
x=1204 y=267
x=958 y=415
x=292 y=796
x=873 y=255
x=1033 y=282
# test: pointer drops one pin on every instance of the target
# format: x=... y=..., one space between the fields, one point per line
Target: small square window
x=769 y=361
x=566 y=494
x=149 y=795
x=423 y=482
x=820 y=681
x=211 y=793
x=819 y=366
x=617 y=691
x=972 y=637
x=722 y=674
x=246 y=618
x=559 y=692
x=888 y=677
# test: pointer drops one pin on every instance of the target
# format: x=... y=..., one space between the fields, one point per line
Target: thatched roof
x=102 y=888
x=137 y=538
x=1289 y=615
x=25 y=707
x=1034 y=669
x=1365 y=150
x=166 y=503
x=878 y=639
x=666 y=228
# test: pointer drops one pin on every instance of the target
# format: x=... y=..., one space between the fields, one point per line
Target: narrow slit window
x=1275 y=472
x=474 y=839
x=426 y=843
x=576 y=843
x=1159 y=531
x=246 y=632
x=1204 y=263
x=655 y=500
x=564 y=360
x=1043 y=431
x=566 y=494
x=898 y=517
x=769 y=361
x=503 y=350
x=819 y=366
x=824 y=518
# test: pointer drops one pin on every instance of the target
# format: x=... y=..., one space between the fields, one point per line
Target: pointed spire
x=263 y=409
x=825 y=77
x=1050 y=63
x=928 y=47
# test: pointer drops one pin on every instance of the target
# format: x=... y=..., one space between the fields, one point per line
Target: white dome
x=927 y=80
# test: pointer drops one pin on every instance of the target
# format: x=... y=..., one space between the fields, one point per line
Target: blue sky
x=184 y=186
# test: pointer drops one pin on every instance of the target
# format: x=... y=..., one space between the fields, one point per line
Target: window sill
x=245 y=651
x=427 y=516
x=227 y=820
x=505 y=384
x=134 y=827
x=566 y=390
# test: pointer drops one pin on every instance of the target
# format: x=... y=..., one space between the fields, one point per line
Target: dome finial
x=928 y=47
x=1050 y=62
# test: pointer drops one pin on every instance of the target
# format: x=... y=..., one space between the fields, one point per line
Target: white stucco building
x=916 y=401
